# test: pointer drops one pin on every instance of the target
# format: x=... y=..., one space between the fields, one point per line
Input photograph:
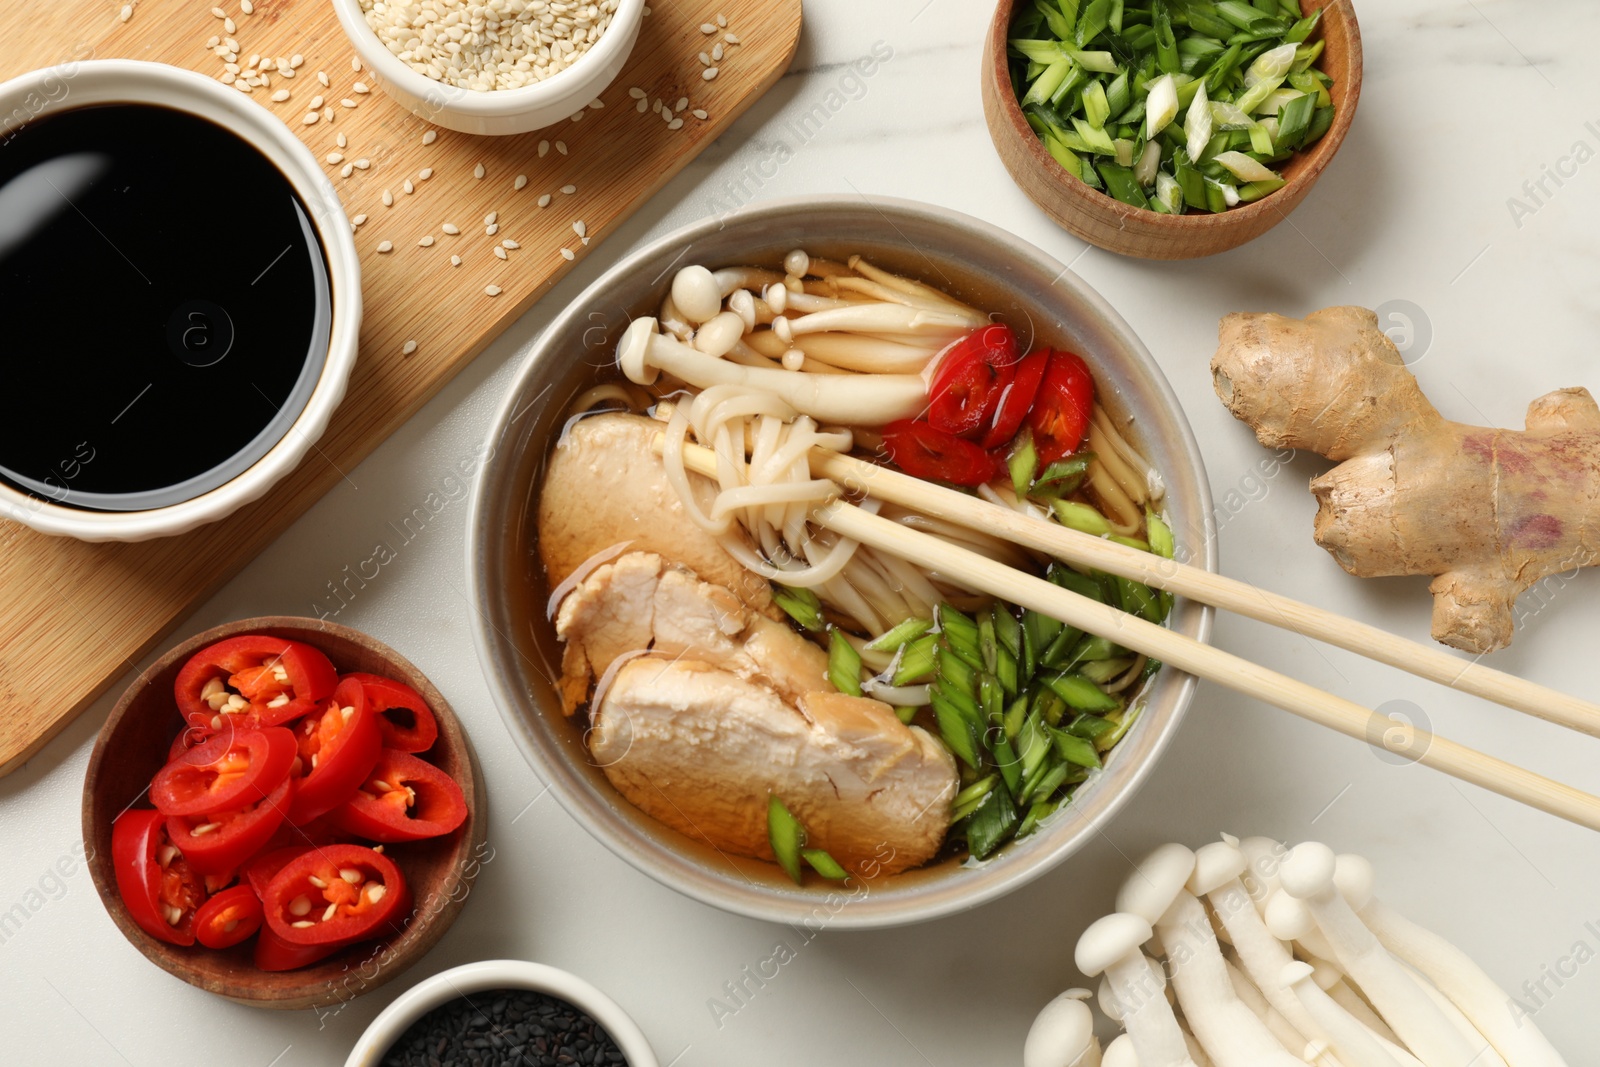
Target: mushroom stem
x=890 y=319
x=1288 y=1035
x=1515 y=1037
x=1062 y=1034
x=1230 y=1033
x=1120 y=1053
x=857 y=399
x=1486 y=1055
x=1356 y=1045
x=1308 y=874
x=1111 y=945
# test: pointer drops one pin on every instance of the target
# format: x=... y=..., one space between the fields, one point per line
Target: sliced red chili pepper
x=404 y=799
x=1016 y=400
x=217 y=881
x=335 y=895
x=273 y=953
x=969 y=379
x=274 y=679
x=925 y=452
x=232 y=769
x=404 y=717
x=338 y=749
x=228 y=918
x=160 y=889
x=188 y=738
x=260 y=869
x=1060 y=415
x=221 y=841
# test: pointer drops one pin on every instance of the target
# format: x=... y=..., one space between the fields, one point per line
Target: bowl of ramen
x=726 y=686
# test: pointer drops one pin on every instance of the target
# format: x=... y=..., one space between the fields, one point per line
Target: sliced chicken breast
x=605 y=486
x=701 y=749
x=642 y=601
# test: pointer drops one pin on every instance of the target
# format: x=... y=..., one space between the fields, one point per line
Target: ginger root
x=1487 y=512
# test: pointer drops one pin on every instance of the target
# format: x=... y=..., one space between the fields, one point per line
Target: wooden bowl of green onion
x=1170 y=130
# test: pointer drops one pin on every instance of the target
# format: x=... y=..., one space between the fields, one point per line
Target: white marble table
x=1465 y=101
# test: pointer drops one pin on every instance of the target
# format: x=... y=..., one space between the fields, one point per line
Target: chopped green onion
x=1160 y=106
x=900 y=634
x=844 y=664
x=1244 y=167
x=917 y=660
x=956 y=730
x=972 y=794
x=801 y=605
x=1160 y=534
x=824 y=864
x=991 y=825
x=1079 y=692
x=1063 y=477
x=786 y=836
x=1023 y=462
x=1080 y=517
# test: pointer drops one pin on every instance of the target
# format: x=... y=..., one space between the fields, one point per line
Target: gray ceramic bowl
x=516 y=643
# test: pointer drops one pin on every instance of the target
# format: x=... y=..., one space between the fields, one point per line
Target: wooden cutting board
x=74 y=616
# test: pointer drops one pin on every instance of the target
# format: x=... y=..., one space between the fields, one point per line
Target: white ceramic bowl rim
x=479 y=103
x=470 y=978
x=982 y=249
x=76 y=84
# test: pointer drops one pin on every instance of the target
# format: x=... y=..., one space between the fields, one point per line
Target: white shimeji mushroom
x=1288 y=1035
x=696 y=295
x=1307 y=875
x=1062 y=1034
x=1120 y=1053
x=1453 y=971
x=1111 y=946
x=1356 y=1045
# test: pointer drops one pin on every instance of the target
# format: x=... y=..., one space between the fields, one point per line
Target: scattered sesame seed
x=363 y=163
x=477 y=172
x=408 y=348
x=296 y=61
x=657 y=106
x=341 y=141
x=666 y=115
x=491 y=229
x=700 y=113
x=359 y=219
x=450 y=228
x=408 y=187
x=126 y=13
x=385 y=246
x=521 y=182
x=577 y=115
x=355 y=63
x=544 y=149
x=717 y=53
x=287 y=72
x=388 y=198
x=544 y=201
x=569 y=189
x=360 y=88
x=491 y=218
x=327 y=113
x=722 y=20
x=335 y=157
x=426 y=242
x=731 y=39
x=705 y=59
x=322 y=76
x=642 y=106
x=707 y=28
x=311 y=116
x=228 y=25
x=580 y=228
x=430 y=137
x=213 y=41
x=247 y=7
x=226 y=77
x=561 y=146
x=493 y=290
x=242 y=86
x=637 y=93
x=709 y=73
x=568 y=254
x=345 y=101
x=455 y=261
x=598 y=104
x=675 y=124
x=683 y=102
x=425 y=173
x=347 y=170
x=499 y=252
x=509 y=243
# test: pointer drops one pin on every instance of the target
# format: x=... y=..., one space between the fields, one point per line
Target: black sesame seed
x=505 y=1028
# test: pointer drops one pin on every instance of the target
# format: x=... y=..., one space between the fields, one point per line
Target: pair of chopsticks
x=1185 y=653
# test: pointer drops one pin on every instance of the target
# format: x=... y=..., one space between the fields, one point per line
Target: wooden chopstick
x=1186 y=654
x=1220 y=591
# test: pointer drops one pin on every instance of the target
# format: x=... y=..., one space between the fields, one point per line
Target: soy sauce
x=166 y=306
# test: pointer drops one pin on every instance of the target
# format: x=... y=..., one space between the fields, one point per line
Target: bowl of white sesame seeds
x=493 y=66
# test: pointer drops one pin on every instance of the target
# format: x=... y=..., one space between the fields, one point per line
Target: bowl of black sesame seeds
x=500 y=1013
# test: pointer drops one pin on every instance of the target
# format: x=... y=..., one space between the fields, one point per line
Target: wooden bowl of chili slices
x=283 y=811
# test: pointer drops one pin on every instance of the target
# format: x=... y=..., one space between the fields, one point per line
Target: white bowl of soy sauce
x=503 y=1012
x=184 y=298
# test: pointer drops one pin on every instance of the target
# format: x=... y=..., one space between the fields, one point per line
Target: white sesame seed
x=568 y=254
x=347 y=170
x=491 y=229
x=126 y=13
x=450 y=228
x=408 y=187
x=327 y=113
x=561 y=146
x=598 y=104
x=521 y=182
x=385 y=246
x=722 y=20
x=569 y=189
x=226 y=77
x=478 y=172
x=705 y=59
x=637 y=93
x=287 y=72
x=580 y=228
x=213 y=41
x=311 y=117
x=360 y=88
x=709 y=73
x=493 y=290
x=316 y=102
x=666 y=114
x=499 y=252
x=363 y=163
x=335 y=157
x=247 y=7
x=707 y=28
x=425 y=173
x=345 y=101
x=716 y=53
x=683 y=102
x=675 y=124
x=322 y=76
x=577 y=115
x=228 y=25
x=231 y=68
x=642 y=106
x=430 y=137
x=408 y=348
x=359 y=219
x=700 y=113
x=355 y=63
x=544 y=149
x=491 y=218
x=426 y=242
x=544 y=201
x=296 y=61
x=509 y=243
x=341 y=141
x=388 y=198
x=455 y=261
